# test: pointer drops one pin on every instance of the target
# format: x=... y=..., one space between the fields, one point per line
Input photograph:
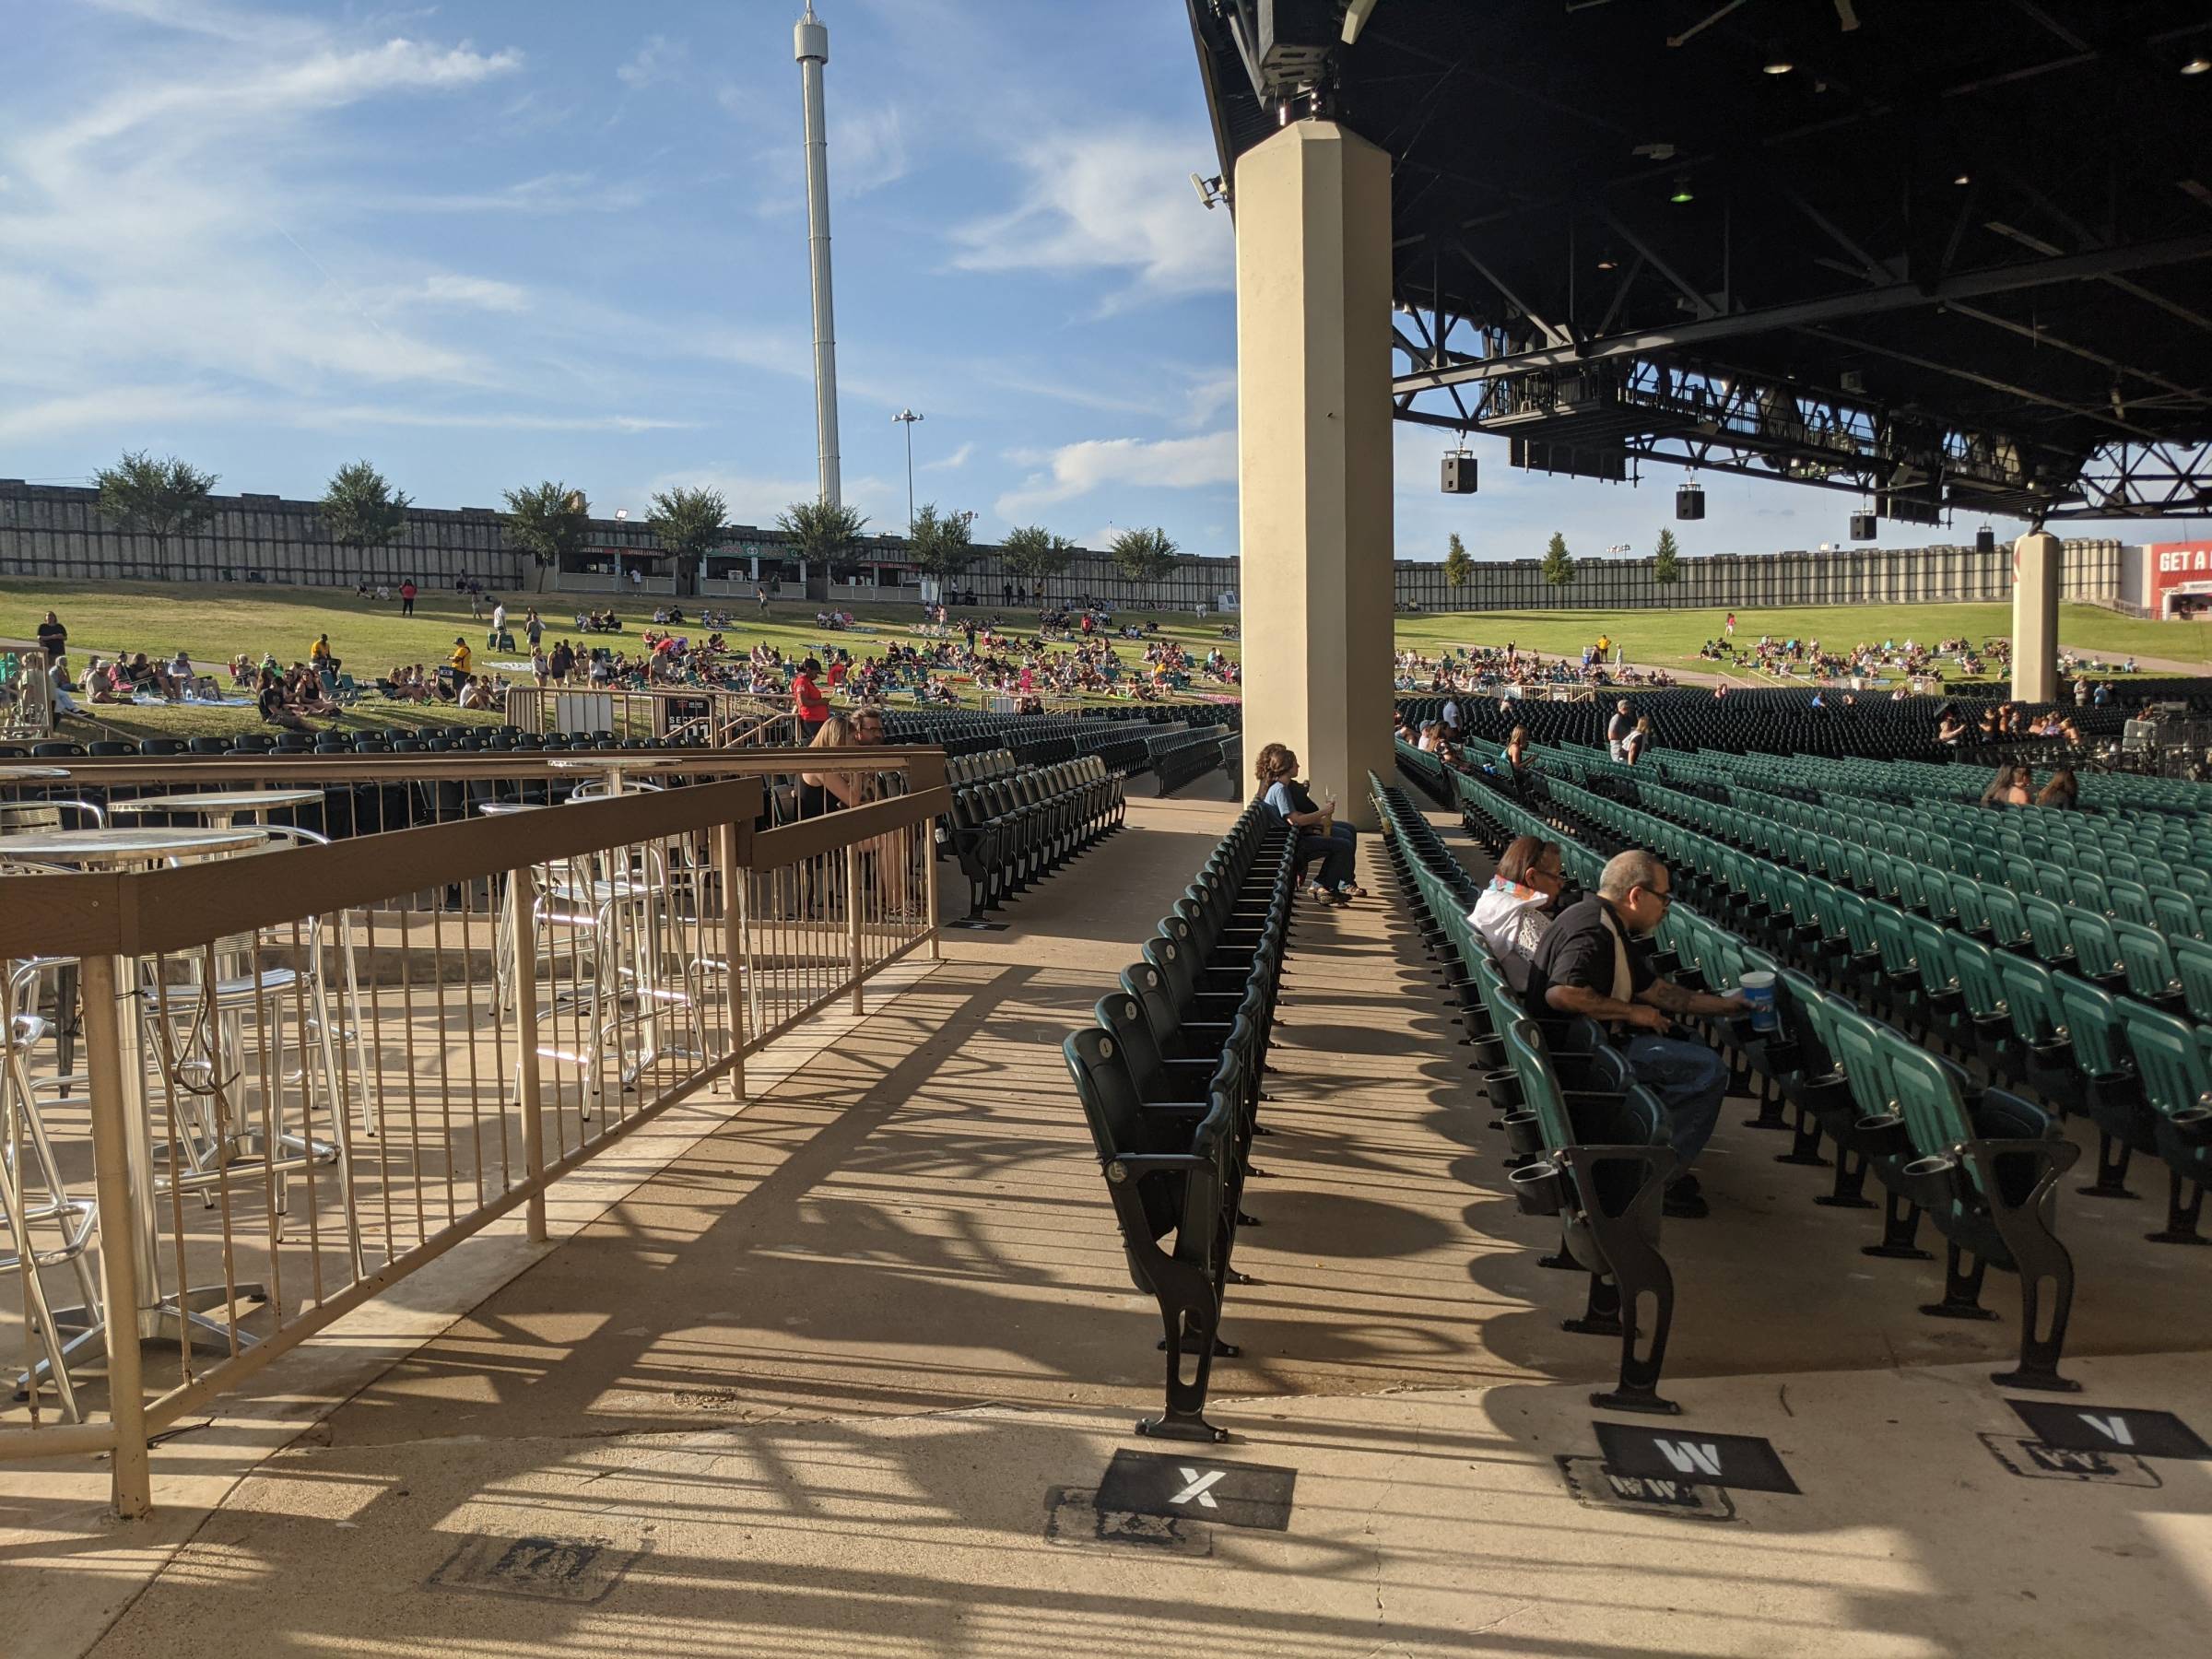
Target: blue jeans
x=1690 y=1081
x=1335 y=850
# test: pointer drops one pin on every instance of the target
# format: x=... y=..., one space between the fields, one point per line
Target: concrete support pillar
x=2037 y=564
x=1313 y=437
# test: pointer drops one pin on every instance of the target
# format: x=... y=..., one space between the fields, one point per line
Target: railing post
x=737 y=948
x=119 y=1232
x=522 y=901
x=927 y=831
x=926 y=771
x=852 y=916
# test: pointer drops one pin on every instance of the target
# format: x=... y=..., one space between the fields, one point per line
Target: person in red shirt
x=807 y=701
x=406 y=597
x=836 y=674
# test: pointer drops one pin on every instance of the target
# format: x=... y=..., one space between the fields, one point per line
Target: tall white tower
x=811 y=46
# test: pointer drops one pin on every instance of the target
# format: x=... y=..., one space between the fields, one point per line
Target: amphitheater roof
x=1953 y=256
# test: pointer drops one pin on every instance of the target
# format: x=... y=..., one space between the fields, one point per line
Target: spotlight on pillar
x=1985 y=540
x=1459 y=473
x=1862 y=527
x=1689 y=500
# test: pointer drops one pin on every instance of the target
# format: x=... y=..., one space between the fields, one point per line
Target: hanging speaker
x=1459 y=473
x=1862 y=527
x=1985 y=540
x=1689 y=500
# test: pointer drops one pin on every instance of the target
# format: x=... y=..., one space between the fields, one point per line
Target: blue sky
x=489 y=242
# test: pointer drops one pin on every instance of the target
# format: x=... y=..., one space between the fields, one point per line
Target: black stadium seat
x=1170 y=1084
x=1010 y=826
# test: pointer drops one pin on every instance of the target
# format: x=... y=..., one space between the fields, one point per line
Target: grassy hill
x=1670 y=639
x=214 y=622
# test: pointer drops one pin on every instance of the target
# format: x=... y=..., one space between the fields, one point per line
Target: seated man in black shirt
x=1594 y=961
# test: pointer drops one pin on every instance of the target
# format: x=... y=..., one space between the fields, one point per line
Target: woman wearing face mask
x=1515 y=909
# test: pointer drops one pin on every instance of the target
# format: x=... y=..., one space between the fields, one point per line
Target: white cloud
x=1077 y=469
x=1113 y=200
x=959 y=458
x=475 y=293
x=196 y=112
x=144 y=406
x=867 y=150
x=545 y=193
x=1208 y=397
x=489 y=420
x=656 y=59
x=151 y=234
x=218 y=22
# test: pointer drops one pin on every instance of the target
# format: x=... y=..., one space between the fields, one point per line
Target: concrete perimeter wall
x=56 y=531
x=1941 y=574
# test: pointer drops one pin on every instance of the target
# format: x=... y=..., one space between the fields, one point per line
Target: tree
x=1559 y=564
x=549 y=523
x=1033 y=554
x=822 y=532
x=940 y=542
x=361 y=510
x=689 y=524
x=162 y=498
x=1666 y=563
x=1144 y=556
x=1458 y=567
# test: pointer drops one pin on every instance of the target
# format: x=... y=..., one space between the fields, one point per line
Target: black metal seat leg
x=2180 y=1214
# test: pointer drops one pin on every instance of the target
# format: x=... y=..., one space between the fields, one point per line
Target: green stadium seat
x=2177 y=1081
x=1985 y=1173
x=2111 y=1092
x=2149 y=967
x=2049 y=936
x=2096 y=946
x=2176 y=915
x=1603 y=1171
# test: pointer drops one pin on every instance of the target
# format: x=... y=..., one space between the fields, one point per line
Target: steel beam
x=1899 y=295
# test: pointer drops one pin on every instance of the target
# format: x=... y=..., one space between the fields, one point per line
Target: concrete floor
x=841 y=1373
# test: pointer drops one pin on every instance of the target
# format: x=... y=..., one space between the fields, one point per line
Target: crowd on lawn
x=1064 y=653
x=1508 y=670
x=990 y=654
x=1804 y=659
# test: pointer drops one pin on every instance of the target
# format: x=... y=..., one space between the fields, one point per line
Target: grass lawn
x=214 y=622
x=1669 y=639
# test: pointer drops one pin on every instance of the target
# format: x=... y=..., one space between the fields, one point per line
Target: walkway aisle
x=844 y=1378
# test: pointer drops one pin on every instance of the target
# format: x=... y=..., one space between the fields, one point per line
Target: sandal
x=1354 y=891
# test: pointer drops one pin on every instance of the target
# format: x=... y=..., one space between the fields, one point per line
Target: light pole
x=906 y=418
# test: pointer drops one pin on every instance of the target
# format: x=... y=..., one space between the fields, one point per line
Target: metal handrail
x=811 y=910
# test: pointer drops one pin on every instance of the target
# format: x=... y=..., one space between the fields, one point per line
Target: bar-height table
x=222 y=808
x=115 y=849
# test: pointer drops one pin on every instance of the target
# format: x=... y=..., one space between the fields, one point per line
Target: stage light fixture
x=1682 y=192
x=1776 y=64
x=1963 y=179
x=1605 y=261
x=2197 y=64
